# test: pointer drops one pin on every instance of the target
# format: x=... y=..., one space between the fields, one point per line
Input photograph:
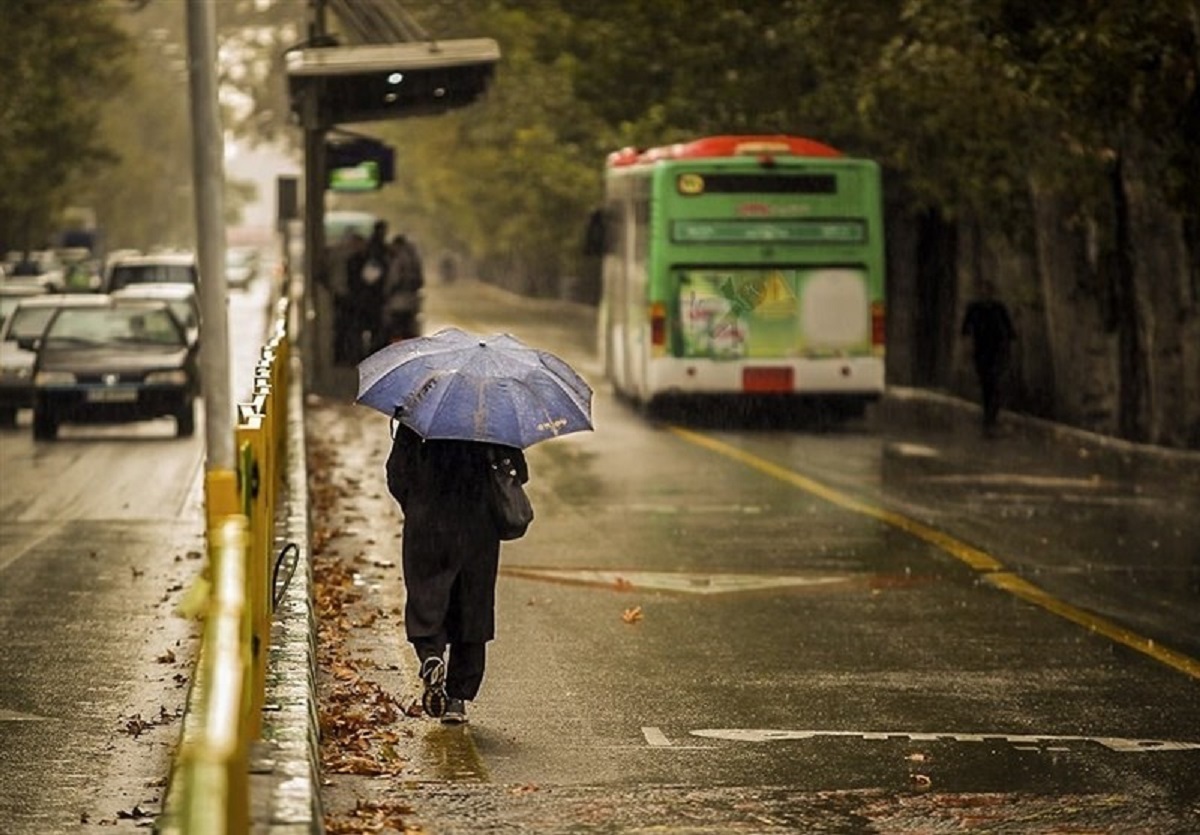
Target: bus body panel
x=736 y=274
x=856 y=377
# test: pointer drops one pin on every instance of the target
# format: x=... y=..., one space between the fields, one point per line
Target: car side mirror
x=29 y=344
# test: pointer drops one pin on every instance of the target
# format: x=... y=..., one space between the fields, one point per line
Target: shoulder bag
x=511 y=510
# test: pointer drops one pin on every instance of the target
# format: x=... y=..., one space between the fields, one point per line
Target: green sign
x=361 y=177
x=769 y=231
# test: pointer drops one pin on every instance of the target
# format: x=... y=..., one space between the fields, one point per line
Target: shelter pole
x=208 y=178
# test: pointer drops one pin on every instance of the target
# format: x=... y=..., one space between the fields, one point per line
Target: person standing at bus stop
x=990 y=329
x=402 y=288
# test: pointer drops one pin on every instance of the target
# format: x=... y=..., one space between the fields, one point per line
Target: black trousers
x=464 y=666
x=990 y=374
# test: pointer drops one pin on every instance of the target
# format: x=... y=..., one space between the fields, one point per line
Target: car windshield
x=114 y=326
x=184 y=312
x=125 y=274
x=29 y=322
x=7 y=305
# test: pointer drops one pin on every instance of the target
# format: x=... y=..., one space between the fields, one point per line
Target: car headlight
x=167 y=378
x=54 y=378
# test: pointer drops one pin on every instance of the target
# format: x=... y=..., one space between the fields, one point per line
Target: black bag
x=511 y=509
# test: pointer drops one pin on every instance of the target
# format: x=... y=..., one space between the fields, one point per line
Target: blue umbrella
x=457 y=385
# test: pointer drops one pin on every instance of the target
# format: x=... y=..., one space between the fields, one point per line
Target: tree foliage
x=59 y=64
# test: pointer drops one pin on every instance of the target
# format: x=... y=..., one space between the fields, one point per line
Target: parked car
x=241 y=266
x=181 y=298
x=21 y=329
x=124 y=361
x=155 y=268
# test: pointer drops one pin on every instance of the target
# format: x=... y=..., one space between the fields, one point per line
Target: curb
x=285 y=765
x=944 y=412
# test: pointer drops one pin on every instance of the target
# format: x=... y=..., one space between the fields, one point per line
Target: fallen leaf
x=136 y=813
x=632 y=614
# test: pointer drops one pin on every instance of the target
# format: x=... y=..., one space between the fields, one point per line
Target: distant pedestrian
x=448 y=268
x=990 y=329
x=402 y=288
x=450 y=555
x=365 y=269
x=345 y=276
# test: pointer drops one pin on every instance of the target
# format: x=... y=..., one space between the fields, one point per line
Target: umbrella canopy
x=458 y=385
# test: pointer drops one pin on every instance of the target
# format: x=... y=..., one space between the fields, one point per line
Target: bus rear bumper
x=856 y=377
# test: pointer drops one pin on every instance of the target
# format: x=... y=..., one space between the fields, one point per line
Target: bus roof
x=724 y=146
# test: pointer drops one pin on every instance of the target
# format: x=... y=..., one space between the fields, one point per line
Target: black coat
x=450 y=550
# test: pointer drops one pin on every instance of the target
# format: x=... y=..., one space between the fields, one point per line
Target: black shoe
x=455 y=713
x=433 y=673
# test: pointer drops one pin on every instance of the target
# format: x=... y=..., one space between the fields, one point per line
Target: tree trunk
x=1133 y=387
x=1163 y=292
x=1081 y=350
x=936 y=327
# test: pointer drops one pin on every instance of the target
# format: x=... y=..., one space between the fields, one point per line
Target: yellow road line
x=993 y=570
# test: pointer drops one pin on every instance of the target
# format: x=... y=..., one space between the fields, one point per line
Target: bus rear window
x=693 y=184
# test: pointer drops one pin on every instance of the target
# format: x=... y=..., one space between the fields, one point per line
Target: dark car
x=121 y=362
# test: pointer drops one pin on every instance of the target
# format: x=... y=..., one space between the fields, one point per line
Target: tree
x=60 y=63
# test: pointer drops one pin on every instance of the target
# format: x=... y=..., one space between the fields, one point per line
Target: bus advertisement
x=743 y=265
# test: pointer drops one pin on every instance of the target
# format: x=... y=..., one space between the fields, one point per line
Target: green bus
x=743 y=265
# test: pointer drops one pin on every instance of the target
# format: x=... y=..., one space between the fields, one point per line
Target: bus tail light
x=878 y=325
x=658 y=325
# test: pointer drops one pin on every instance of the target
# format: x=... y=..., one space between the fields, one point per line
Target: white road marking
x=913 y=450
x=656 y=737
x=14 y=716
x=1120 y=744
x=693 y=509
x=675 y=581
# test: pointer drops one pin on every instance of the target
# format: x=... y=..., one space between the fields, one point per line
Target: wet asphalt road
x=726 y=625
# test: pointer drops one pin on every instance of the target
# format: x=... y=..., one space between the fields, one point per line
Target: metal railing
x=208 y=789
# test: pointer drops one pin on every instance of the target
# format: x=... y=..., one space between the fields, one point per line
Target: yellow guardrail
x=208 y=790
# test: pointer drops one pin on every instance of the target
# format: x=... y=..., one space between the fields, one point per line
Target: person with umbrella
x=464 y=407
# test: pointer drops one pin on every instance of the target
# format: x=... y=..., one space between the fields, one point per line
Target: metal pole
x=208 y=179
x=314 y=210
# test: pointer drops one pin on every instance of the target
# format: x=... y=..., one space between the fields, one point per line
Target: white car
x=241 y=265
x=157 y=268
x=38 y=267
x=23 y=325
x=180 y=298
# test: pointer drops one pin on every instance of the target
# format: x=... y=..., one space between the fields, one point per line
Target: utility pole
x=314 y=204
x=208 y=180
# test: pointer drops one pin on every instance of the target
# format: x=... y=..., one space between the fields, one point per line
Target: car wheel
x=8 y=418
x=45 y=425
x=185 y=421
